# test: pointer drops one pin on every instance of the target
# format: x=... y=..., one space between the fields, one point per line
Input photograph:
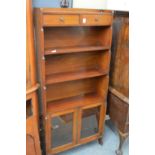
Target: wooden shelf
x=74 y=102
x=70 y=76
x=75 y=49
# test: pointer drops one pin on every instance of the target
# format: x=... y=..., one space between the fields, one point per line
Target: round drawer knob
x=96 y=19
x=61 y=19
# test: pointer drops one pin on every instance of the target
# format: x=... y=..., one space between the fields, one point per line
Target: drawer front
x=60 y=20
x=96 y=19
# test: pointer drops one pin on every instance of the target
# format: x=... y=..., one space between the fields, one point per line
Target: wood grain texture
x=118 y=98
x=96 y=19
x=73 y=62
x=73 y=66
x=120 y=55
x=32 y=130
x=30 y=55
x=71 y=88
x=76 y=66
x=119 y=112
x=75 y=49
x=39 y=36
x=32 y=137
x=77 y=37
x=74 y=102
x=60 y=20
x=71 y=76
x=72 y=11
x=119 y=95
x=32 y=114
x=74 y=17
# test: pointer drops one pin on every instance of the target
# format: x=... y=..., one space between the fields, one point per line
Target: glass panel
x=62 y=130
x=28 y=108
x=90 y=122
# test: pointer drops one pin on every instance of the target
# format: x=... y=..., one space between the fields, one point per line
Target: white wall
x=102 y=4
x=117 y=5
x=92 y=4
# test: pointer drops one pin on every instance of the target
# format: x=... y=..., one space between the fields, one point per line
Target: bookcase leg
x=100 y=141
x=122 y=138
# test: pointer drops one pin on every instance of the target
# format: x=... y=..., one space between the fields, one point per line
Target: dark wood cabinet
x=32 y=131
x=118 y=96
x=73 y=49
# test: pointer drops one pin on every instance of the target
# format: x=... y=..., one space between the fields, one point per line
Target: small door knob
x=96 y=19
x=61 y=19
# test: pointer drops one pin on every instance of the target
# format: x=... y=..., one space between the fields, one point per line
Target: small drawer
x=105 y=19
x=60 y=20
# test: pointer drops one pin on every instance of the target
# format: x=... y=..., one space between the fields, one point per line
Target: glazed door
x=91 y=119
x=61 y=131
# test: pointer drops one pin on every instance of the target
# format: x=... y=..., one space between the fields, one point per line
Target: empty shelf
x=75 y=49
x=73 y=102
x=70 y=76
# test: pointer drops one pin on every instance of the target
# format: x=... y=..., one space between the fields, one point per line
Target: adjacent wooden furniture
x=32 y=134
x=118 y=97
x=73 y=47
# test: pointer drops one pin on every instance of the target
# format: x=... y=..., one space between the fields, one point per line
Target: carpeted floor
x=111 y=142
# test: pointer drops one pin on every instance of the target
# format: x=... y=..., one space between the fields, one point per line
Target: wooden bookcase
x=73 y=48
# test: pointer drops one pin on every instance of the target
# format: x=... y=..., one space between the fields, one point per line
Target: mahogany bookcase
x=73 y=50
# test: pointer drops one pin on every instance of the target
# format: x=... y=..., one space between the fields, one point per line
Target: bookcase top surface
x=73 y=11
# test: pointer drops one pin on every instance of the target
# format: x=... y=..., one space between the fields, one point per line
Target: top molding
x=73 y=11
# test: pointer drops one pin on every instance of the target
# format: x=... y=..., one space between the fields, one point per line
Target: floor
x=111 y=142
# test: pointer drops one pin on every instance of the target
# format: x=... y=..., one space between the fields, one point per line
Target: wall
x=93 y=4
x=117 y=5
x=102 y=4
x=48 y=3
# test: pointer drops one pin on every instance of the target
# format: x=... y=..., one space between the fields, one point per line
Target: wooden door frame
x=49 y=117
x=101 y=122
